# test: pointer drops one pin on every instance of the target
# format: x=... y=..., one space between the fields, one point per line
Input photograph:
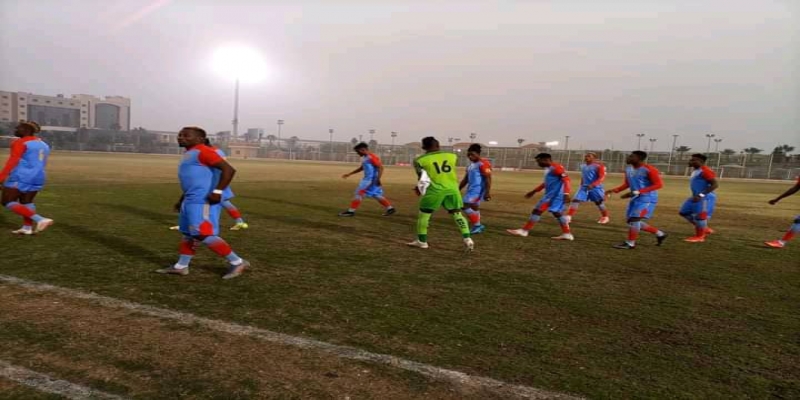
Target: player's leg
x=533 y=219
x=376 y=192
x=472 y=201
x=646 y=215
x=711 y=206
x=453 y=204
x=14 y=199
x=793 y=231
x=634 y=214
x=580 y=197
x=698 y=214
x=234 y=213
x=358 y=197
x=563 y=221
x=598 y=197
x=428 y=203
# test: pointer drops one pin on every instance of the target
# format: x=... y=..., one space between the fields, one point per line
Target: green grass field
x=711 y=320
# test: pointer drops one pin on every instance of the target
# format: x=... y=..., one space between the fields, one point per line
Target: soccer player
x=24 y=176
x=593 y=173
x=644 y=181
x=698 y=208
x=370 y=185
x=227 y=195
x=478 y=181
x=556 y=188
x=795 y=228
x=203 y=188
x=442 y=191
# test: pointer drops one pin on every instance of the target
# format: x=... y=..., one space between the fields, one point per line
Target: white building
x=78 y=111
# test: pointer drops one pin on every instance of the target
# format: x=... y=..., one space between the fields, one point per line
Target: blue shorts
x=23 y=187
x=553 y=204
x=200 y=219
x=474 y=196
x=595 y=195
x=367 y=189
x=641 y=208
x=702 y=208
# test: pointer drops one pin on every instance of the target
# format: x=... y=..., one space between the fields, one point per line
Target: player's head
x=191 y=136
x=590 y=157
x=27 y=128
x=430 y=144
x=362 y=149
x=636 y=158
x=544 y=160
x=697 y=160
x=474 y=152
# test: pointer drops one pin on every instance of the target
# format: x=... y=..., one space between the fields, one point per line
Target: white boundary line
x=456 y=378
x=45 y=383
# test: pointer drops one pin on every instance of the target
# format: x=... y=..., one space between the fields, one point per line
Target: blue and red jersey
x=701 y=180
x=556 y=181
x=477 y=173
x=196 y=174
x=27 y=161
x=646 y=180
x=593 y=175
x=371 y=165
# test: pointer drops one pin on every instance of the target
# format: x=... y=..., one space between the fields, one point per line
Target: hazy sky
x=599 y=71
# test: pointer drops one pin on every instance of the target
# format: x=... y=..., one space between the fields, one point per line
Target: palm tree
x=354 y=141
x=728 y=153
x=271 y=139
x=752 y=150
x=682 y=150
x=520 y=141
x=373 y=144
x=781 y=153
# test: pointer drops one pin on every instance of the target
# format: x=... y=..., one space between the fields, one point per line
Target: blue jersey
x=196 y=174
x=476 y=175
x=227 y=193
x=27 y=162
x=371 y=164
x=593 y=175
x=556 y=181
x=645 y=179
x=701 y=180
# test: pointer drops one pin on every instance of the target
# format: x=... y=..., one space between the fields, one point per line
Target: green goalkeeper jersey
x=441 y=168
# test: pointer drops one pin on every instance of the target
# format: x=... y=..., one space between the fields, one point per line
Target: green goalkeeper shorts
x=449 y=199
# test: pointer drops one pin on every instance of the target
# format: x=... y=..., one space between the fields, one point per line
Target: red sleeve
x=17 y=151
x=567 y=184
x=375 y=160
x=208 y=156
x=559 y=171
x=655 y=178
x=624 y=185
x=601 y=176
x=486 y=168
x=708 y=174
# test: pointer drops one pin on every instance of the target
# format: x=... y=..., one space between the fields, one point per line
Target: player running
x=795 y=228
x=644 y=181
x=699 y=208
x=478 y=181
x=204 y=175
x=24 y=176
x=438 y=168
x=370 y=185
x=593 y=173
x=556 y=188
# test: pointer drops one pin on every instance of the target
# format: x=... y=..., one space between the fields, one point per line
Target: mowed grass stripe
x=48 y=384
x=441 y=374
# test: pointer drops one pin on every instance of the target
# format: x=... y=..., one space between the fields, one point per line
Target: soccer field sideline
x=71 y=390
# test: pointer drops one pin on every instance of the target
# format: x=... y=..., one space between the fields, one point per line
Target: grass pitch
x=711 y=320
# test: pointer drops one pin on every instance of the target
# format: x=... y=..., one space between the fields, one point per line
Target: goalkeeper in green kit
x=438 y=188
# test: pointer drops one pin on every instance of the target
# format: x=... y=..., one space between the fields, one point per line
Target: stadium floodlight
x=239 y=63
x=552 y=144
x=493 y=143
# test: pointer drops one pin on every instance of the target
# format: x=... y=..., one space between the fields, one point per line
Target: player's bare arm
x=224 y=181
x=464 y=182
x=380 y=175
x=790 y=192
x=488 y=178
x=355 y=171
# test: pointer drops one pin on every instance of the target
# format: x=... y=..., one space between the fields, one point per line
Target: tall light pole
x=280 y=124
x=472 y=137
x=330 y=133
x=371 y=134
x=652 y=143
x=394 y=135
x=709 y=136
x=639 y=145
x=671 y=150
x=394 y=157
x=235 y=132
x=566 y=148
x=716 y=144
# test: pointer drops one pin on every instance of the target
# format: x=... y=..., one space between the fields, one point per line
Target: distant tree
x=373 y=144
x=682 y=150
x=354 y=141
x=781 y=153
x=292 y=141
x=752 y=150
x=520 y=141
x=728 y=153
x=271 y=139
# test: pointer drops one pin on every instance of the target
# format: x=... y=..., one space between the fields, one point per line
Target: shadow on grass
x=401 y=219
x=319 y=225
x=114 y=243
x=160 y=218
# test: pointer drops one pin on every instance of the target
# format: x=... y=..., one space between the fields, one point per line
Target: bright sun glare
x=237 y=61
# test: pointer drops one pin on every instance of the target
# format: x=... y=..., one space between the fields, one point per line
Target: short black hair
x=642 y=155
x=700 y=156
x=475 y=148
x=197 y=129
x=543 y=156
x=429 y=142
x=207 y=142
x=361 y=145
